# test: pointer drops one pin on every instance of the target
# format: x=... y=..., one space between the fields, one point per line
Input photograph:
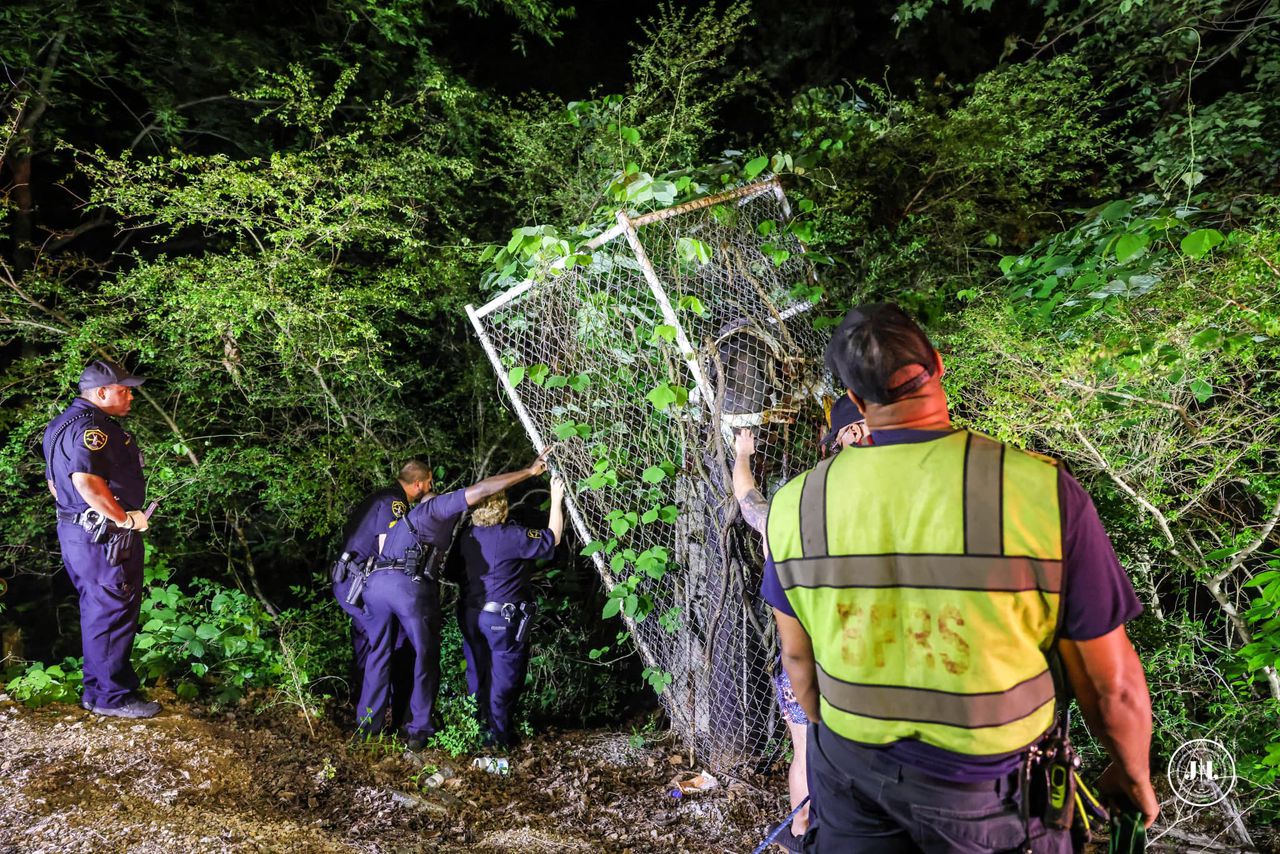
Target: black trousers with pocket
x=864 y=801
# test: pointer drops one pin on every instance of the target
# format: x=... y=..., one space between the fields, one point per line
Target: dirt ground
x=195 y=781
x=254 y=780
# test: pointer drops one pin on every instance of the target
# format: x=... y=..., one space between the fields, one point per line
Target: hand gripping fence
x=684 y=327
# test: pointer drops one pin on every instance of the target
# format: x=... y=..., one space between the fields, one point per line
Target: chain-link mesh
x=639 y=367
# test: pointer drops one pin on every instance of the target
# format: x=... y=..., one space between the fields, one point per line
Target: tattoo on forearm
x=755 y=510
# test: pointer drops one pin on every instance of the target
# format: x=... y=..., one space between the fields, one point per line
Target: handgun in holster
x=355 y=595
x=528 y=610
x=97 y=525
x=100 y=528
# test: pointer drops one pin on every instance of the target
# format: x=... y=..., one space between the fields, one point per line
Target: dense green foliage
x=281 y=227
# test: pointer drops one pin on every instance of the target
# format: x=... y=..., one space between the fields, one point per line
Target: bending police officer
x=403 y=591
x=496 y=607
x=920 y=586
x=93 y=468
x=362 y=539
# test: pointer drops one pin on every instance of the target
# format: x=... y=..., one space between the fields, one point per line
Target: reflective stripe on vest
x=928 y=577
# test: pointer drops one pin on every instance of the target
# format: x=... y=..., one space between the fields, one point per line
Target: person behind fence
x=921 y=620
x=401 y=590
x=362 y=538
x=847 y=427
x=497 y=606
x=93 y=468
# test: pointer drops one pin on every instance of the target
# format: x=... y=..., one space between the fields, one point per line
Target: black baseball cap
x=102 y=373
x=874 y=342
x=843 y=413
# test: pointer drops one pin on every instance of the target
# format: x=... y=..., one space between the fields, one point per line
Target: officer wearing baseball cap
x=848 y=426
x=93 y=468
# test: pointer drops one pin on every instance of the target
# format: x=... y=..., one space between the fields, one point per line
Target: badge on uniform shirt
x=534 y=535
x=95 y=439
x=398 y=508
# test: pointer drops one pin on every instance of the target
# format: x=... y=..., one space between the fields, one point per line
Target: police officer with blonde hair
x=496 y=608
x=923 y=586
x=402 y=592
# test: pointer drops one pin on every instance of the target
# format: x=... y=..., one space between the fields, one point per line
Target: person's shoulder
x=392 y=497
x=94 y=429
x=1032 y=455
x=450 y=503
x=791 y=487
x=540 y=534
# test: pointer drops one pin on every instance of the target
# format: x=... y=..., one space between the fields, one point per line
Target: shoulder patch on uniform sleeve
x=95 y=439
x=534 y=534
x=398 y=508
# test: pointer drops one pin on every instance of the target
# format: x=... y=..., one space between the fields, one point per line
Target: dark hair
x=873 y=343
x=414 y=470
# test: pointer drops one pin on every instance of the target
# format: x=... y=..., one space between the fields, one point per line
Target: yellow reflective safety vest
x=928 y=577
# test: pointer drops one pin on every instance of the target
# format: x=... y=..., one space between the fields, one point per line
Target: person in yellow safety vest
x=921 y=585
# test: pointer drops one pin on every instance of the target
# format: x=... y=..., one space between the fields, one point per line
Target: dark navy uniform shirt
x=1097 y=598
x=374 y=517
x=92 y=443
x=431 y=522
x=499 y=561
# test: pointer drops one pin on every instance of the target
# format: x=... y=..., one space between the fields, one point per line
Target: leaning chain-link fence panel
x=639 y=367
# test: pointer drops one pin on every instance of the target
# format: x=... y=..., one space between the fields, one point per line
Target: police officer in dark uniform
x=362 y=540
x=497 y=606
x=93 y=468
x=402 y=592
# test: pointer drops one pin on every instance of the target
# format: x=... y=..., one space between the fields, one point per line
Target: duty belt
x=509 y=611
x=497 y=607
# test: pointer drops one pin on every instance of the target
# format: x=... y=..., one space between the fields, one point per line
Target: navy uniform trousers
x=496 y=667
x=110 y=597
x=401 y=656
x=394 y=603
x=863 y=801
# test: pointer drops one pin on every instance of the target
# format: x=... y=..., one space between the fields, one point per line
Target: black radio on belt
x=342 y=567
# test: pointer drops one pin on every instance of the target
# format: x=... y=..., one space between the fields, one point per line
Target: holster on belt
x=355 y=595
x=120 y=546
x=120 y=542
x=99 y=528
x=1052 y=788
x=528 y=610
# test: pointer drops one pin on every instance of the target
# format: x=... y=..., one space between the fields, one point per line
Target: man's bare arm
x=53 y=490
x=1111 y=689
x=754 y=507
x=95 y=492
x=477 y=492
x=798 y=661
x=556 y=520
